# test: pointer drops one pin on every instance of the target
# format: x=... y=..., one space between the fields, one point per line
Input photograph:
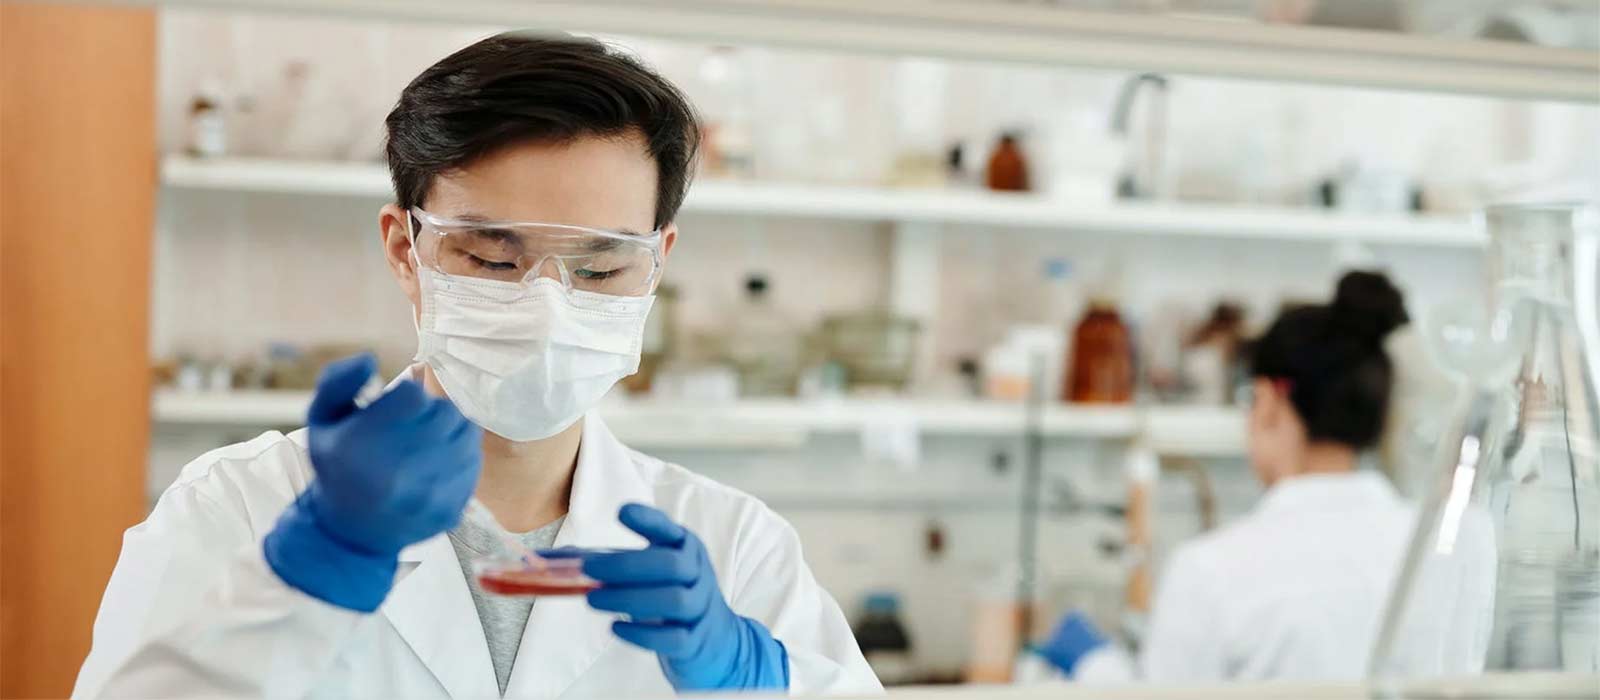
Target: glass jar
x=1502 y=576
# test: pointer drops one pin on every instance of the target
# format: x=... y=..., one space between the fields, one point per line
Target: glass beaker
x=1502 y=576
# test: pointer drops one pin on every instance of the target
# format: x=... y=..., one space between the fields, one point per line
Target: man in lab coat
x=537 y=181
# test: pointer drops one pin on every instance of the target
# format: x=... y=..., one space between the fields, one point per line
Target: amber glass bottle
x=1008 y=170
x=1101 y=358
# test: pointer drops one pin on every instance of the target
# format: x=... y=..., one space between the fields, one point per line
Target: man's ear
x=394 y=229
x=669 y=238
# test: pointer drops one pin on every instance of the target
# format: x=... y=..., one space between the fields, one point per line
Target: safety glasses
x=616 y=263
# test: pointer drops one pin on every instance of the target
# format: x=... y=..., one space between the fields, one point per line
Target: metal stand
x=1032 y=486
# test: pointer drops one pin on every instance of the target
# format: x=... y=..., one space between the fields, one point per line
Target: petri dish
x=533 y=576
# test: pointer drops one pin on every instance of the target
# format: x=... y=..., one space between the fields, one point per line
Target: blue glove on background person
x=1074 y=637
x=669 y=593
x=389 y=475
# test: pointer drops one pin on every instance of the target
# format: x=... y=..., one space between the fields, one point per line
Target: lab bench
x=1501 y=686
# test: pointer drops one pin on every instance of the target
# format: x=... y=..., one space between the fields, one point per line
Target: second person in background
x=1295 y=589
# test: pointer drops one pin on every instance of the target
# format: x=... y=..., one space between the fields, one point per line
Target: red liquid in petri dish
x=534 y=583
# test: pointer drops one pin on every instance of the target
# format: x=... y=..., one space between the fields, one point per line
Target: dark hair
x=517 y=87
x=1333 y=359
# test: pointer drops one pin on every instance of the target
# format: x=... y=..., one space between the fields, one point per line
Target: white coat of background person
x=324 y=563
x=1295 y=589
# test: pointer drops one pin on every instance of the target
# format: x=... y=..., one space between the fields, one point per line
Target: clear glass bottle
x=726 y=111
x=1502 y=576
x=763 y=344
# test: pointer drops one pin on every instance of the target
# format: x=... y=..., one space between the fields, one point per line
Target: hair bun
x=1368 y=305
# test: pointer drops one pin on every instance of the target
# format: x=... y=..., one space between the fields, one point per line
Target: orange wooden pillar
x=77 y=198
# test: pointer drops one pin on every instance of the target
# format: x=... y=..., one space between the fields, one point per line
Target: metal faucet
x=1143 y=174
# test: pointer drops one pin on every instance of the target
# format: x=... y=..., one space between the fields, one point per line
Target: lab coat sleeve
x=1108 y=665
x=1185 y=643
x=779 y=591
x=193 y=610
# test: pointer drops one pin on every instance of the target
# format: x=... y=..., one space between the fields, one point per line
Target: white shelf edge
x=1038 y=212
x=1194 y=431
x=786 y=424
x=229 y=408
x=720 y=198
x=244 y=174
x=1017 y=33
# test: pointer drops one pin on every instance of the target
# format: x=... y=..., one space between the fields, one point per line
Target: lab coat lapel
x=432 y=609
x=564 y=636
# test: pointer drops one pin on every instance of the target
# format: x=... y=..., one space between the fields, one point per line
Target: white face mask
x=526 y=362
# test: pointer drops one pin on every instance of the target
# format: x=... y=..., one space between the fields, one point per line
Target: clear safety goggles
x=600 y=261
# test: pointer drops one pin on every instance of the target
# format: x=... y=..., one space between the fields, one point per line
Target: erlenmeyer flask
x=1503 y=573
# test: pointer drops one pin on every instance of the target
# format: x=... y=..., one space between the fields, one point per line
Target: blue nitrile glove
x=389 y=475
x=669 y=593
x=1074 y=637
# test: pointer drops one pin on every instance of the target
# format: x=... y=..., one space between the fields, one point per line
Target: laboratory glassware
x=1502 y=575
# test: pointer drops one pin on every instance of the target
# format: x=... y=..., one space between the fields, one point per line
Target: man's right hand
x=389 y=475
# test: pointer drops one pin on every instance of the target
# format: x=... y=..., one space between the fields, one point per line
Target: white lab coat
x=193 y=610
x=1293 y=591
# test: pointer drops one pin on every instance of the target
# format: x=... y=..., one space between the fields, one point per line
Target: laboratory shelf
x=925 y=206
x=998 y=209
x=1193 y=431
x=845 y=500
x=695 y=422
x=230 y=408
x=315 y=177
x=954 y=417
x=789 y=423
x=1032 y=34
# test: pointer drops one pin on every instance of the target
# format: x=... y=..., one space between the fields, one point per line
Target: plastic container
x=1000 y=620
